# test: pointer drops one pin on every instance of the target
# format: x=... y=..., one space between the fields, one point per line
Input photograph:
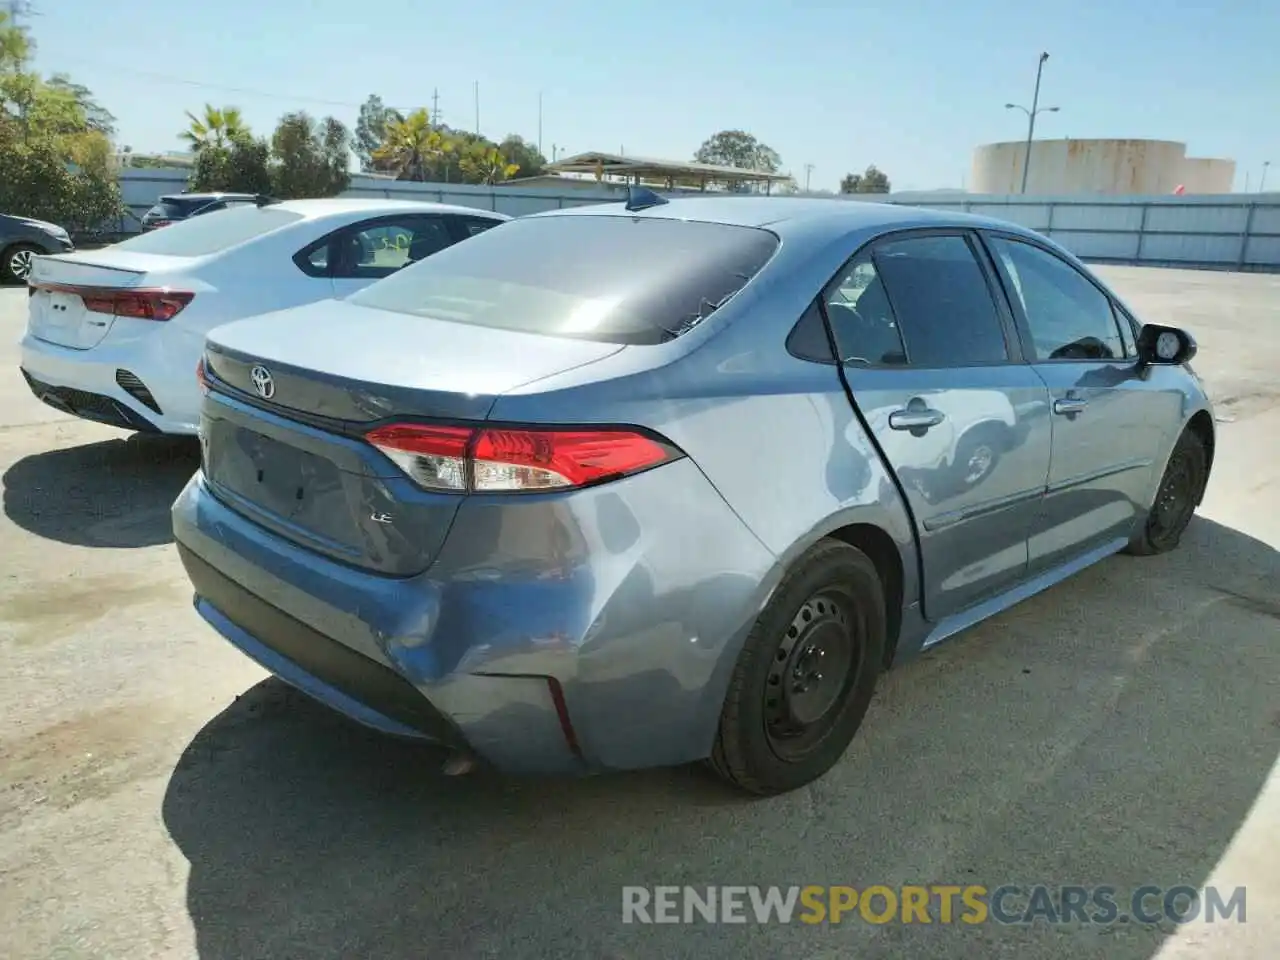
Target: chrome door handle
x=915 y=418
x=1069 y=405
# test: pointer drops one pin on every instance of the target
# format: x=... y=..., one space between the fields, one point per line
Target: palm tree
x=410 y=144
x=217 y=128
x=484 y=163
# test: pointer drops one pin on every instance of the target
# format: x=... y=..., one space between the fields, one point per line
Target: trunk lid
x=56 y=311
x=287 y=449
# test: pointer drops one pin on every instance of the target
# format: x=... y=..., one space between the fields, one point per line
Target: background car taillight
x=201 y=379
x=138 y=304
x=514 y=459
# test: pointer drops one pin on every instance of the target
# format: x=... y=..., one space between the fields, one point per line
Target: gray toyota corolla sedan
x=650 y=482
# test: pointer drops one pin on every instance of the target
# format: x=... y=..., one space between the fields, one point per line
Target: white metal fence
x=1229 y=231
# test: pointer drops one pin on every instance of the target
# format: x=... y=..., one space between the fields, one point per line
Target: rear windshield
x=174 y=208
x=211 y=232
x=616 y=279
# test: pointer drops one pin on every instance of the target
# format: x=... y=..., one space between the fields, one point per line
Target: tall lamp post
x=1263 y=182
x=1031 y=118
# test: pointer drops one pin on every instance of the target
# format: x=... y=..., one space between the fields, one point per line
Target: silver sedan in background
x=646 y=483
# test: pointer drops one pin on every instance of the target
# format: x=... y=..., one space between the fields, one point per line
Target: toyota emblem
x=263 y=382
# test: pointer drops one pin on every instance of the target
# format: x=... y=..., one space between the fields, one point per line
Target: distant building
x=1134 y=167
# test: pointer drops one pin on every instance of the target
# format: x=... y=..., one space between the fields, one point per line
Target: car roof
x=788 y=214
x=325 y=206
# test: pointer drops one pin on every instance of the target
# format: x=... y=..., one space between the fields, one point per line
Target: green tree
x=482 y=162
x=54 y=164
x=217 y=127
x=524 y=155
x=870 y=181
x=313 y=157
x=97 y=117
x=413 y=148
x=371 y=130
x=737 y=148
x=244 y=166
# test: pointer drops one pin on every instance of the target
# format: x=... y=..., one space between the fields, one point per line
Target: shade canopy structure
x=673 y=172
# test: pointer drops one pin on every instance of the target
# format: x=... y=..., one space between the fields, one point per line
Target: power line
x=243 y=91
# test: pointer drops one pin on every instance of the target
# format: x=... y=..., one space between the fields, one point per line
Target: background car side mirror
x=1164 y=346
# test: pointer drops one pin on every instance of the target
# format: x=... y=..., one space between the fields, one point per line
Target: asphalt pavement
x=160 y=797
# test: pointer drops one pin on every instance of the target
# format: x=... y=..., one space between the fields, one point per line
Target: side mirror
x=1164 y=346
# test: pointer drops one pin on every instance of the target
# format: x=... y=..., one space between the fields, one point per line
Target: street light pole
x=1031 y=123
x=808 y=169
x=1263 y=182
x=1035 y=110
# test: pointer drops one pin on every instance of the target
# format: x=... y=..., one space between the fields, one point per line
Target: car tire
x=15 y=262
x=1176 y=498
x=775 y=734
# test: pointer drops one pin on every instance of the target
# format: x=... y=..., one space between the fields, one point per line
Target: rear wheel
x=805 y=676
x=1175 y=503
x=15 y=262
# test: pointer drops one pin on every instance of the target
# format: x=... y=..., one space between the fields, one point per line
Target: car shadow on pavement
x=114 y=493
x=1112 y=731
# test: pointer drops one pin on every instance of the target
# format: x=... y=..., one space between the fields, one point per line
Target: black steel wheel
x=806 y=674
x=1176 y=498
x=817 y=661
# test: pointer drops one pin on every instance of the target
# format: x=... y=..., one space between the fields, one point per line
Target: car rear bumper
x=619 y=663
x=125 y=388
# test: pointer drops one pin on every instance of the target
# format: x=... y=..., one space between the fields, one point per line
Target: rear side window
x=941 y=300
x=473 y=225
x=617 y=279
x=199 y=236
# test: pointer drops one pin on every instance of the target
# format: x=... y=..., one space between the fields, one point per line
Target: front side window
x=615 y=279
x=1068 y=318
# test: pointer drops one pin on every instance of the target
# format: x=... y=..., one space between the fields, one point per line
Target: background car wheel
x=977 y=455
x=1175 y=502
x=805 y=676
x=15 y=262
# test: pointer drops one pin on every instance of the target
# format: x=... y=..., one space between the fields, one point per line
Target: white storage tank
x=1098 y=167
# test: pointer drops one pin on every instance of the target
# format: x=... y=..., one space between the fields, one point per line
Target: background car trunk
x=56 y=312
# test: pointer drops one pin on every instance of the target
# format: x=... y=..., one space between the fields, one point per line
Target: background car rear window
x=618 y=279
x=211 y=232
x=941 y=300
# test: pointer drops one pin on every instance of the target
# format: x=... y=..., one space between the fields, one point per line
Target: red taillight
x=137 y=304
x=504 y=459
x=200 y=377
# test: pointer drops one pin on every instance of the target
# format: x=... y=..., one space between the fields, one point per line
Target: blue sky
x=911 y=85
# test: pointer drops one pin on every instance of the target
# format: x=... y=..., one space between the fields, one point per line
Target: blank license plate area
x=297 y=486
x=56 y=311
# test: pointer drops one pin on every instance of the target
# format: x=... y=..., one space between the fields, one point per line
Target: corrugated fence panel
x=1192 y=230
x=1266 y=220
x=1098 y=246
x=1034 y=216
x=1262 y=251
x=1165 y=218
x=1096 y=217
x=1184 y=248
